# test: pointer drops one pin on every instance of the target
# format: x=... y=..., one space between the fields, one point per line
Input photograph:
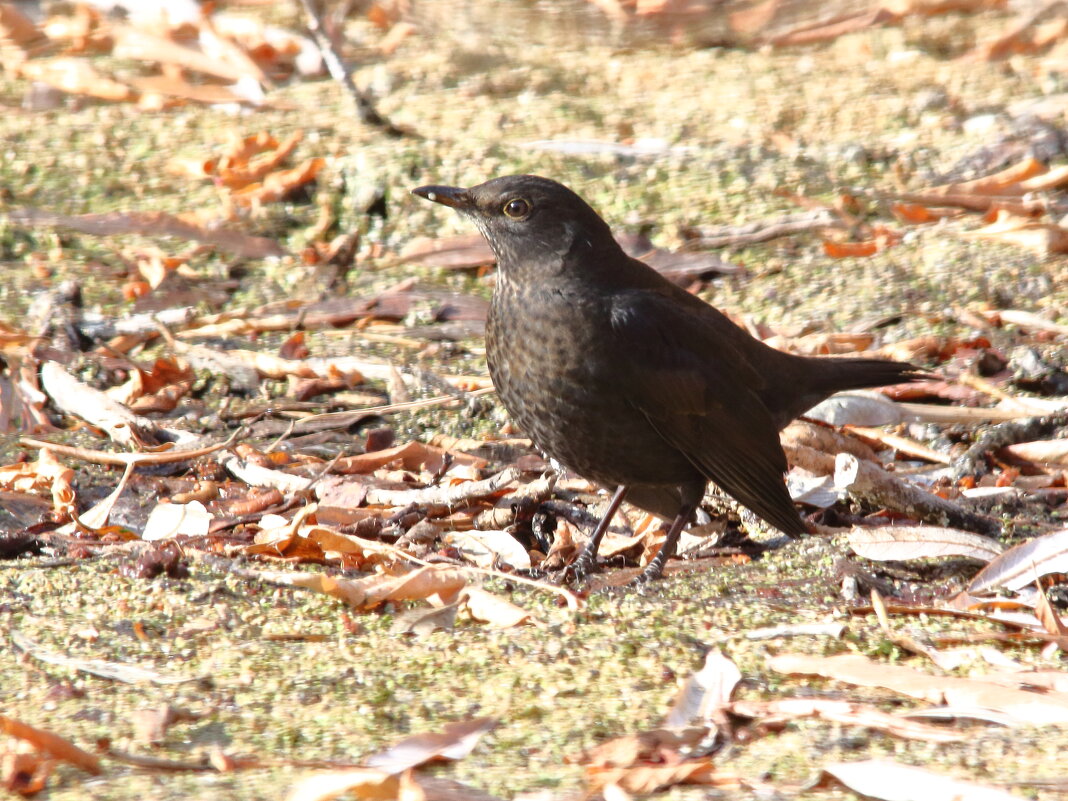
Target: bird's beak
x=445 y=195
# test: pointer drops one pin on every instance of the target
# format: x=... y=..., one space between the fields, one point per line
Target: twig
x=447 y=496
x=365 y=108
x=116 y=671
x=868 y=482
x=123 y=459
x=1003 y=434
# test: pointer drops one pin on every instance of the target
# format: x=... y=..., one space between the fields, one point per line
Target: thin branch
x=364 y=105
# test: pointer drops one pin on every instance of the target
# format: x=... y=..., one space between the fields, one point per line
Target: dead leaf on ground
x=57 y=747
x=704 y=694
x=1024 y=707
x=773 y=713
x=887 y=543
x=151 y=223
x=888 y=780
x=455 y=741
x=1024 y=563
x=1044 y=238
x=75 y=76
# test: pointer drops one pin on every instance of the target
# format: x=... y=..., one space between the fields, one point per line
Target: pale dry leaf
x=425 y=583
x=1023 y=706
x=488 y=548
x=705 y=693
x=365 y=784
x=1022 y=564
x=885 y=543
x=891 y=781
x=489 y=608
x=846 y=712
x=454 y=741
x=168 y=520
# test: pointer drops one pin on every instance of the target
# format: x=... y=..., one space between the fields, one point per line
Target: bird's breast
x=557 y=371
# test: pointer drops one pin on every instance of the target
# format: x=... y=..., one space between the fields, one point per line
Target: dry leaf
x=454 y=741
x=75 y=76
x=1024 y=707
x=489 y=608
x=702 y=697
x=1024 y=563
x=153 y=223
x=886 y=543
x=772 y=713
x=364 y=784
x=52 y=744
x=887 y=780
x=1043 y=238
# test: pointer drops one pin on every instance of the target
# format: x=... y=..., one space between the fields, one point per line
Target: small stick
x=365 y=108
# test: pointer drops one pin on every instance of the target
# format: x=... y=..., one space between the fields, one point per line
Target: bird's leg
x=655 y=569
x=583 y=566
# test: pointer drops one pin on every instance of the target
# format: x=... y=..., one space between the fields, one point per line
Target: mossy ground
x=811 y=121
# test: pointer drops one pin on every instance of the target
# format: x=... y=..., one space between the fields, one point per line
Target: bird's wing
x=694 y=387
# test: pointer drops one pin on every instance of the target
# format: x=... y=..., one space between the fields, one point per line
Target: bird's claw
x=579 y=571
x=652 y=573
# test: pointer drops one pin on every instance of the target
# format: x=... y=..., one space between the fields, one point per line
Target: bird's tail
x=825 y=376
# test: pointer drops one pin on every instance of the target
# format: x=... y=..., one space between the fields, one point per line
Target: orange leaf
x=842 y=250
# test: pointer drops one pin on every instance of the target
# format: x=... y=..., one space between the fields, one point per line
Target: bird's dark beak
x=445 y=195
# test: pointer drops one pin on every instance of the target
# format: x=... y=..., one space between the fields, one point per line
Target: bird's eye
x=517 y=208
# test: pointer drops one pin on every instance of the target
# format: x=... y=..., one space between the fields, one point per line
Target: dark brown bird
x=629 y=380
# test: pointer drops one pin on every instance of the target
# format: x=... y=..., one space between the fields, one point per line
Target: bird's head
x=527 y=220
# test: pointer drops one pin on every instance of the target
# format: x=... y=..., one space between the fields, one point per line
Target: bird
x=629 y=380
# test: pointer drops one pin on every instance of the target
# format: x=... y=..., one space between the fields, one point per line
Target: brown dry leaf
x=52 y=744
x=1025 y=707
x=75 y=76
x=1045 y=612
x=886 y=543
x=653 y=778
x=455 y=741
x=501 y=614
x=773 y=713
x=18 y=29
x=250 y=159
x=278 y=185
x=394 y=37
x=439 y=583
x=155 y=390
x=1042 y=237
x=1024 y=563
x=414 y=456
x=835 y=28
x=1004 y=183
x=1049 y=451
x=917 y=214
x=883 y=779
x=46 y=474
x=334 y=544
x=845 y=250
x=154 y=88
x=1033 y=36
x=461 y=252
x=364 y=784
x=153 y=223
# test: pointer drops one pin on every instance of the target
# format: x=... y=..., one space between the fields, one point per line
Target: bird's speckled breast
x=558 y=376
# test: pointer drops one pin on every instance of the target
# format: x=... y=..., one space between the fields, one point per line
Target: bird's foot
x=653 y=571
x=580 y=570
